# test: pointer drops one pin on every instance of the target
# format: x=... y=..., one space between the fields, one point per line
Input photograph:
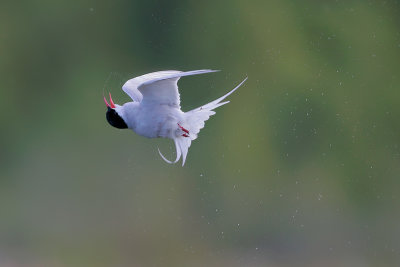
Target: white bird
x=156 y=112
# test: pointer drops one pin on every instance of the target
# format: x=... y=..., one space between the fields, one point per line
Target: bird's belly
x=148 y=129
x=156 y=124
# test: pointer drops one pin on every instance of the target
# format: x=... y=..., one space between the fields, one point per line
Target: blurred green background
x=300 y=169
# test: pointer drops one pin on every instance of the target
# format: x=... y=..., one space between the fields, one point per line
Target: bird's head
x=113 y=118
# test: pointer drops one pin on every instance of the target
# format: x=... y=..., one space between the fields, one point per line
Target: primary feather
x=160 y=86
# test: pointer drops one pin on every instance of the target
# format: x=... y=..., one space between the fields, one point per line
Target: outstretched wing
x=194 y=121
x=158 y=87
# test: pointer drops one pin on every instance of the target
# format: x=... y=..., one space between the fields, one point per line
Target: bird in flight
x=156 y=112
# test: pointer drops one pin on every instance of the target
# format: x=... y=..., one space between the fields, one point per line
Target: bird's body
x=152 y=121
x=156 y=112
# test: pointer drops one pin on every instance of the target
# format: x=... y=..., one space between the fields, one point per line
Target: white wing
x=159 y=87
x=194 y=121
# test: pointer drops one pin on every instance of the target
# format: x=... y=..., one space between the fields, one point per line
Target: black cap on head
x=114 y=119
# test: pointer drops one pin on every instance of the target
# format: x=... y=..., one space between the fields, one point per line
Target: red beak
x=111 y=101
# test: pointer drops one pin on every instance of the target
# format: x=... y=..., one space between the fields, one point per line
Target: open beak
x=112 y=105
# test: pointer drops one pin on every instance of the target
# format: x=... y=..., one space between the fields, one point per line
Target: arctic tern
x=156 y=112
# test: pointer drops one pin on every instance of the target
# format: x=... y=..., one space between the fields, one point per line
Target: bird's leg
x=183 y=129
x=186 y=132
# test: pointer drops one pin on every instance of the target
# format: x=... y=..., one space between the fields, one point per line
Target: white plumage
x=156 y=112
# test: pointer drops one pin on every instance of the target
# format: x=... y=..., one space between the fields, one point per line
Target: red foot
x=183 y=129
x=185 y=135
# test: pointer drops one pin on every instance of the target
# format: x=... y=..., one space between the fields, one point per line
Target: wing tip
x=202 y=71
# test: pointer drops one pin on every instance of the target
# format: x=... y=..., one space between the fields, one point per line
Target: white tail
x=194 y=122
